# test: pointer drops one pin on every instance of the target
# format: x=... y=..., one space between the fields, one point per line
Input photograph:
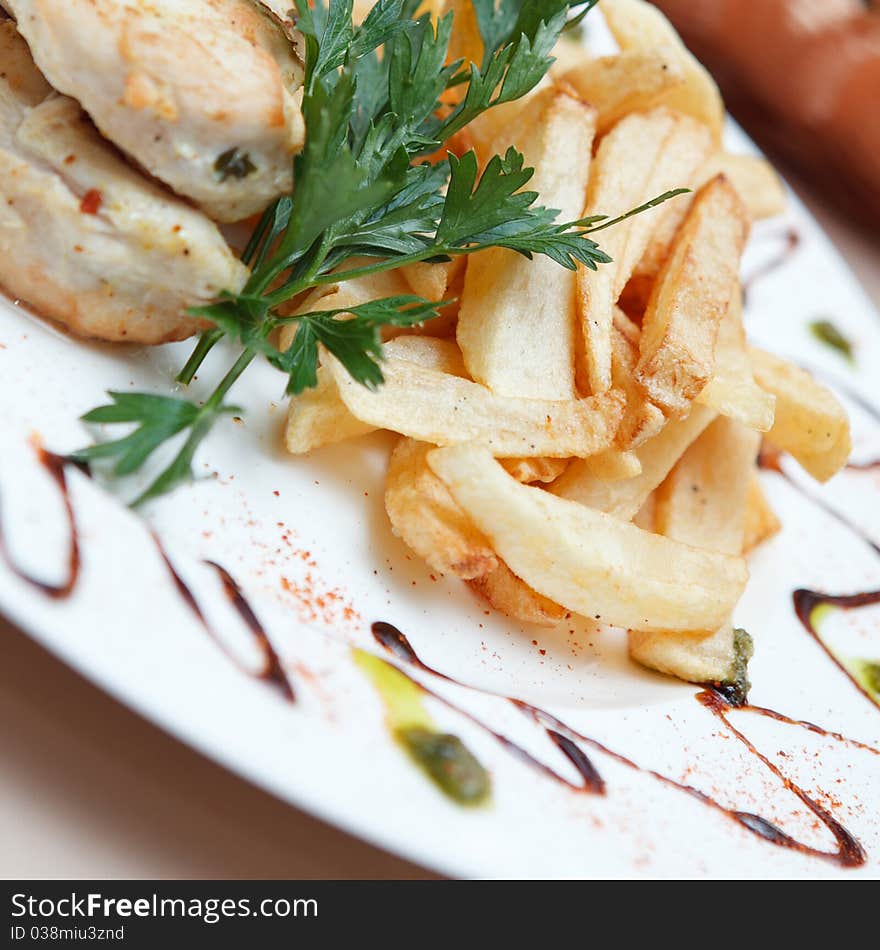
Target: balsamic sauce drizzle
x=396 y=643
x=56 y=466
x=272 y=671
x=849 y=852
x=570 y=742
x=806 y=601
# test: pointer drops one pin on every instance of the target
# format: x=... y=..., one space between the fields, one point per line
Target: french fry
x=755 y=181
x=732 y=390
x=643 y=156
x=761 y=522
x=568 y=54
x=319 y=417
x=703 y=502
x=528 y=471
x=642 y=419
x=718 y=658
x=703 y=499
x=622 y=499
x=810 y=424
x=437 y=407
x=465 y=41
x=637 y=25
x=825 y=464
x=586 y=560
x=425 y=516
x=445 y=323
x=431 y=281
x=614 y=465
x=516 y=323
x=644 y=517
x=514 y=598
x=490 y=132
x=629 y=82
x=691 y=296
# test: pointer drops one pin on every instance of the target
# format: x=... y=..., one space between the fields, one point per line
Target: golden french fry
x=622 y=499
x=643 y=156
x=629 y=82
x=644 y=517
x=642 y=419
x=568 y=54
x=637 y=25
x=761 y=521
x=425 y=516
x=529 y=471
x=586 y=560
x=810 y=424
x=465 y=42
x=691 y=296
x=514 y=598
x=437 y=407
x=490 y=133
x=319 y=417
x=703 y=502
x=718 y=658
x=431 y=281
x=703 y=499
x=732 y=390
x=431 y=353
x=755 y=181
x=516 y=322
x=614 y=465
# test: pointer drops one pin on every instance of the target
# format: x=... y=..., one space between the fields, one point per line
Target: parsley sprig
x=378 y=100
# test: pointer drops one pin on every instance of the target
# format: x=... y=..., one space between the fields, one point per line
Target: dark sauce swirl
x=805 y=603
x=56 y=466
x=849 y=852
x=571 y=743
x=272 y=670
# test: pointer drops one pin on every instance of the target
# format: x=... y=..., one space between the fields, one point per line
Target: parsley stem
x=241 y=364
x=390 y=263
x=206 y=343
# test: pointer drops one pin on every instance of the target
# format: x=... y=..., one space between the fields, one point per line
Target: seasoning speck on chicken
x=85 y=238
x=203 y=94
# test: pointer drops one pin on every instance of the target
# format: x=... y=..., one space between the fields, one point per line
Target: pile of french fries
x=586 y=442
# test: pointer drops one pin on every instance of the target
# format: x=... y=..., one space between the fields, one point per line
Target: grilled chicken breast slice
x=85 y=238
x=203 y=94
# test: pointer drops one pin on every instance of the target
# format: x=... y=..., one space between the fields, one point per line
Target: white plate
x=309 y=544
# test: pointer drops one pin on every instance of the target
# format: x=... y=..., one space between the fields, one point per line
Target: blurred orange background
x=803 y=77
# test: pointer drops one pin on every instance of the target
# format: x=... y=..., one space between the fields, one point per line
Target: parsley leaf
x=354 y=341
x=374 y=106
x=158 y=417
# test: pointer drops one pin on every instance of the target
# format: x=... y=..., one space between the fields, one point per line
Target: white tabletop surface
x=88 y=789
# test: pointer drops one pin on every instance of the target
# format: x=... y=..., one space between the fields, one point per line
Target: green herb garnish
x=444 y=758
x=736 y=686
x=826 y=332
x=233 y=164
x=373 y=111
x=448 y=762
